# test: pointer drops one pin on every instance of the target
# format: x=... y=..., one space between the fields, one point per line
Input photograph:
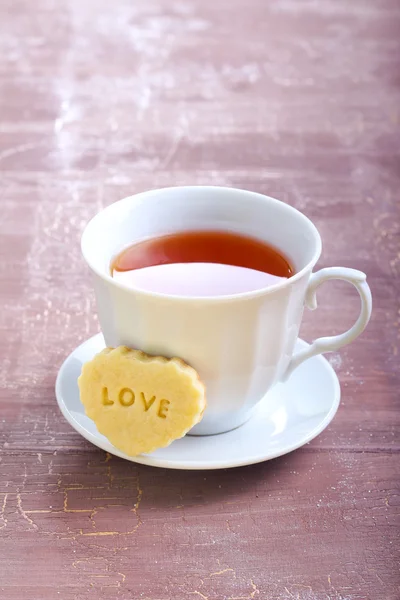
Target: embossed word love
x=127 y=397
x=140 y=402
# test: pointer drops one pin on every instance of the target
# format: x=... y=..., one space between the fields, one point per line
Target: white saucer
x=291 y=415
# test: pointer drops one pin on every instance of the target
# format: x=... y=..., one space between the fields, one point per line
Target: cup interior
x=169 y=210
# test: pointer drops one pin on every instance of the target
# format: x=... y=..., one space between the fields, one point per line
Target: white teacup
x=241 y=345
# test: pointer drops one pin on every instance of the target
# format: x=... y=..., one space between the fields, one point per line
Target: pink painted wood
x=296 y=99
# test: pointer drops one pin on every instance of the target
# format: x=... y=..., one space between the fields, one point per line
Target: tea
x=201 y=263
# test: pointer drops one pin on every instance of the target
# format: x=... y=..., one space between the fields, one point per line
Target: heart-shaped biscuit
x=141 y=402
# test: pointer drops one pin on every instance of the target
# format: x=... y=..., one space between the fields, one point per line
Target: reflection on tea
x=201 y=263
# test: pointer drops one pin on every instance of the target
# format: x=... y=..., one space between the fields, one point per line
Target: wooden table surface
x=298 y=99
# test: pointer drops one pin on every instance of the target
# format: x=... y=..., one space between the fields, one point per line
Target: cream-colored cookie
x=141 y=402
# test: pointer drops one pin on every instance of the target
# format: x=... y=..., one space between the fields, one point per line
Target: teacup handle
x=332 y=343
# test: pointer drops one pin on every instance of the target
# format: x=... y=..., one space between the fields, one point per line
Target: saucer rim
x=149 y=460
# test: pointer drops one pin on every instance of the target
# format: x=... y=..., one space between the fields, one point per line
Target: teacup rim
x=103 y=274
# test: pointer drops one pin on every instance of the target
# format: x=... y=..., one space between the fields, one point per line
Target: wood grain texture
x=298 y=99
